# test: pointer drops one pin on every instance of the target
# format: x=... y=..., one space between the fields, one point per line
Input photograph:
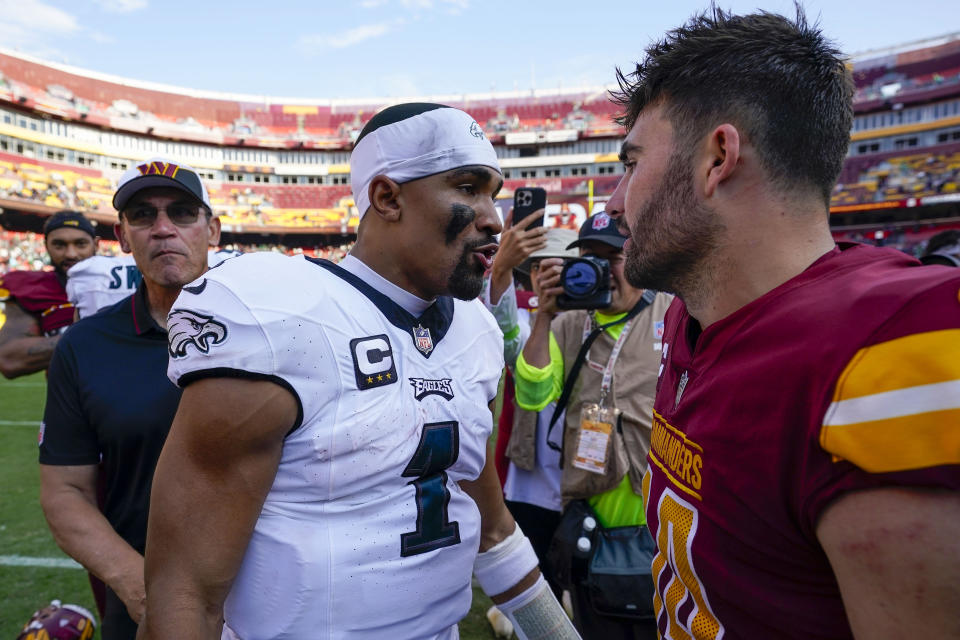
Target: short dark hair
x=779 y=81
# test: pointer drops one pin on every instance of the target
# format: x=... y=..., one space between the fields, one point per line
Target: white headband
x=422 y=145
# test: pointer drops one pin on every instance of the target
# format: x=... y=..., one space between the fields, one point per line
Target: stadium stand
x=277 y=167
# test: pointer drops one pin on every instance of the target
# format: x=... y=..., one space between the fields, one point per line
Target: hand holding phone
x=527 y=200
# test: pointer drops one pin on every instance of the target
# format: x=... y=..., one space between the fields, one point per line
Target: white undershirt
x=410 y=303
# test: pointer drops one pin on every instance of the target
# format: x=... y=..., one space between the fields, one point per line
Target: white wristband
x=504 y=565
x=536 y=615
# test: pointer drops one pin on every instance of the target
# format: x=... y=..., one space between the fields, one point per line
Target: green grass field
x=24 y=533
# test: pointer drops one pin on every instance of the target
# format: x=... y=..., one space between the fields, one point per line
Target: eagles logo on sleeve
x=186 y=328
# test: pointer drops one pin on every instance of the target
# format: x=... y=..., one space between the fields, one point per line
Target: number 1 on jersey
x=438 y=449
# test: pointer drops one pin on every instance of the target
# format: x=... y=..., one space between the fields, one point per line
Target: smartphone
x=526 y=200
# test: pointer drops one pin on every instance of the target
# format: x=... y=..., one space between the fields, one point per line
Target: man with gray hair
x=326 y=475
x=109 y=404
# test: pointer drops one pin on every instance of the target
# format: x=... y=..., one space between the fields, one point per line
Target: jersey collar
x=437 y=318
x=143 y=322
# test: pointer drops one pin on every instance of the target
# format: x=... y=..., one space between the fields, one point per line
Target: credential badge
x=422 y=339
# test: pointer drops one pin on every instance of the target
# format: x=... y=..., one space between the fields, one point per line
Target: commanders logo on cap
x=600 y=221
x=158 y=169
x=476 y=131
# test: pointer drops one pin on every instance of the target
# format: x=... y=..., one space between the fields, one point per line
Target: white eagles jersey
x=100 y=281
x=365 y=533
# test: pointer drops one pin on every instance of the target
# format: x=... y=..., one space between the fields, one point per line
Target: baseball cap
x=557 y=241
x=601 y=228
x=159 y=172
x=70 y=220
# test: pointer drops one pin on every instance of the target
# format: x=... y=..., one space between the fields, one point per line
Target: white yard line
x=19 y=423
x=26 y=561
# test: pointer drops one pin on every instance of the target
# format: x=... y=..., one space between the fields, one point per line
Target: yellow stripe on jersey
x=897 y=405
x=921 y=358
x=898 y=444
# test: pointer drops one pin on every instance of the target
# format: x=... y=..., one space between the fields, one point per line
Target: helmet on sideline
x=59 y=622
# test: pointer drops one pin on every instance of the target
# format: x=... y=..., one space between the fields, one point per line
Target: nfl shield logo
x=600 y=221
x=422 y=339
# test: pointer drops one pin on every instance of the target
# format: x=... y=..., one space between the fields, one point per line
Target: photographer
x=606 y=431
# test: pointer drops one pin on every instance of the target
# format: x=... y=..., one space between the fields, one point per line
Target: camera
x=586 y=283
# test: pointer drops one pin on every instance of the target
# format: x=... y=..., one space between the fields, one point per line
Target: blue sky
x=399 y=48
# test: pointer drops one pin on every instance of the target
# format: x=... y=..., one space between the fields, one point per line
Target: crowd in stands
x=58 y=187
x=61 y=188
x=25 y=250
x=265 y=124
x=331 y=206
x=909 y=176
x=894 y=84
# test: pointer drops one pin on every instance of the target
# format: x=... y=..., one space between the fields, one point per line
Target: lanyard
x=644 y=302
x=607 y=379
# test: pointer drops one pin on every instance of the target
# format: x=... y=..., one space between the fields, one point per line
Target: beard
x=673 y=234
x=466 y=280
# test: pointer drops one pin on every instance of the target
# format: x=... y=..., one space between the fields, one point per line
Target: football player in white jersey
x=326 y=474
x=101 y=281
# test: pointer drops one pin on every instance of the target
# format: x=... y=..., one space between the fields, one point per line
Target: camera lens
x=580 y=279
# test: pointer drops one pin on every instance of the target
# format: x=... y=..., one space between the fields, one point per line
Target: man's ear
x=118 y=231
x=723 y=149
x=384 y=198
x=213 y=225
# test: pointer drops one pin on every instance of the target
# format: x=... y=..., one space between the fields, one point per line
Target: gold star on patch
x=369 y=380
x=388 y=376
x=379 y=378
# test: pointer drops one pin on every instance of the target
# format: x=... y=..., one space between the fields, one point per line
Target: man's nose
x=615 y=205
x=162 y=226
x=489 y=219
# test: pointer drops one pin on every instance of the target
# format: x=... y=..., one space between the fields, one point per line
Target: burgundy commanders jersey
x=845 y=377
x=39 y=293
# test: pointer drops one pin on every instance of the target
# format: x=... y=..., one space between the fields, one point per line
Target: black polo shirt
x=108 y=397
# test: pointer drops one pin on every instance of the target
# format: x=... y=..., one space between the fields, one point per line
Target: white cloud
x=452 y=6
x=343 y=39
x=34 y=27
x=102 y=38
x=398 y=85
x=455 y=7
x=122 y=6
x=33 y=16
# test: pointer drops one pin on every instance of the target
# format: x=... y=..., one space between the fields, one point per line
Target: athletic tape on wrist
x=536 y=615
x=501 y=567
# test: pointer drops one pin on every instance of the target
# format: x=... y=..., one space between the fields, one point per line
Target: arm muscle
x=896 y=556
x=213 y=475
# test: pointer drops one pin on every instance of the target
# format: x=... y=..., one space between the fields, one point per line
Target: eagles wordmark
x=423 y=387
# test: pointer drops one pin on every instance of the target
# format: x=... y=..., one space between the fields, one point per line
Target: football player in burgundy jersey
x=37 y=308
x=805 y=457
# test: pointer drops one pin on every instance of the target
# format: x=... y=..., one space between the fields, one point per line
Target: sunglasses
x=145 y=215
